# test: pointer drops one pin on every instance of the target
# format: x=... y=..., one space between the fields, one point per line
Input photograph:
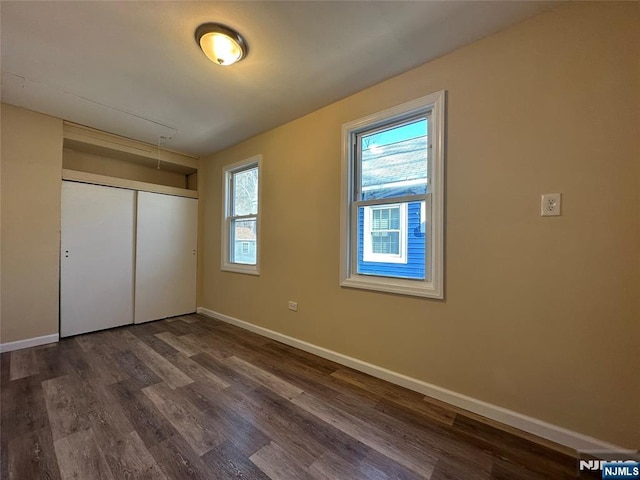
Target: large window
x=240 y=220
x=393 y=194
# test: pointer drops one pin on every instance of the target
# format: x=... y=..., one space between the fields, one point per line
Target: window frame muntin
x=433 y=285
x=228 y=172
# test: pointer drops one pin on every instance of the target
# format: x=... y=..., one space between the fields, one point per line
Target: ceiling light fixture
x=221 y=44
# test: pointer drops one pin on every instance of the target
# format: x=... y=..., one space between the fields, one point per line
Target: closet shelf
x=95 y=142
x=85 y=177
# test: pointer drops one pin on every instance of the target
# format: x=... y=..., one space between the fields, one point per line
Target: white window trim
x=227 y=174
x=367 y=252
x=433 y=286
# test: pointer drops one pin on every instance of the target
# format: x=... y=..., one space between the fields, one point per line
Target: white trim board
x=29 y=342
x=562 y=436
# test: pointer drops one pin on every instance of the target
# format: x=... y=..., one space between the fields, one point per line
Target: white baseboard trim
x=29 y=342
x=568 y=438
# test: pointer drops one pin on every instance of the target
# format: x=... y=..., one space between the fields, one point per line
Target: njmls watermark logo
x=624 y=464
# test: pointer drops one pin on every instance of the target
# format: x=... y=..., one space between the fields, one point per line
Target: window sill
x=394 y=285
x=240 y=268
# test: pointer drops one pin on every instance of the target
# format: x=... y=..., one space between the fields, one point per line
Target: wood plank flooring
x=194 y=398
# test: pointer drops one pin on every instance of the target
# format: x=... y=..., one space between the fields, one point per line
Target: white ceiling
x=133 y=67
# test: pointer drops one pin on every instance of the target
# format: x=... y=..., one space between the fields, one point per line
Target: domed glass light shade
x=221 y=44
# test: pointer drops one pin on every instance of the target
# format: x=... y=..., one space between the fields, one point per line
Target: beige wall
x=86 y=162
x=31 y=157
x=542 y=315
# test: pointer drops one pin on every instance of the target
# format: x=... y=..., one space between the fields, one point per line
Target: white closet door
x=96 y=258
x=165 y=256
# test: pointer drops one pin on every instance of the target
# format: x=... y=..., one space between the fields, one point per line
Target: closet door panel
x=96 y=258
x=165 y=279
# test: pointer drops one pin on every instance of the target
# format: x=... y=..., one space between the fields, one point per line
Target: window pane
x=243 y=241
x=385 y=218
x=386 y=242
x=245 y=192
x=394 y=161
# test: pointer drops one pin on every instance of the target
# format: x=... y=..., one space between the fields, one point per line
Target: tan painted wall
x=192 y=181
x=86 y=162
x=542 y=315
x=31 y=156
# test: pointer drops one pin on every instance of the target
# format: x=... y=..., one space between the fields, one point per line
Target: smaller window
x=385 y=233
x=240 y=216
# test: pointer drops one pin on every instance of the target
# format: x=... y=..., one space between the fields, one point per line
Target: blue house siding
x=414 y=268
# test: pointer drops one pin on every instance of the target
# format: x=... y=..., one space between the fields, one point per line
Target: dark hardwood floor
x=195 y=398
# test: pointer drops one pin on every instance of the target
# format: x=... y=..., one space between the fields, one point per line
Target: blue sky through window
x=396 y=134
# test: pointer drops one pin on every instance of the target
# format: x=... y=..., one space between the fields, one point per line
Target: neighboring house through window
x=240 y=230
x=384 y=234
x=393 y=194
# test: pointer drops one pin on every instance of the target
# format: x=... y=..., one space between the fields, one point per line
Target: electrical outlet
x=550 y=205
x=293 y=306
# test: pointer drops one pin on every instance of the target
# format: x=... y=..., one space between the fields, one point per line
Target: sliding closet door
x=96 y=258
x=165 y=256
